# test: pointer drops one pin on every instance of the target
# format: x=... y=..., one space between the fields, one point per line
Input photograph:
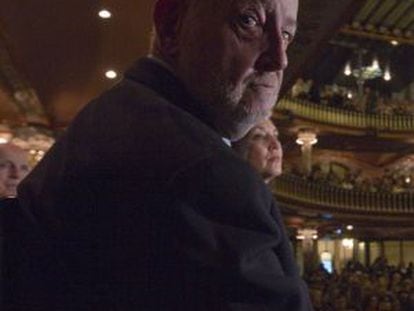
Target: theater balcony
x=305 y=112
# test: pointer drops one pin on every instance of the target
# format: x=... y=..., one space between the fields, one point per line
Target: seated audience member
x=141 y=205
x=13 y=168
x=262 y=149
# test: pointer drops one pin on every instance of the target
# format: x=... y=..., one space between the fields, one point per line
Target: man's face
x=13 y=168
x=231 y=56
x=262 y=149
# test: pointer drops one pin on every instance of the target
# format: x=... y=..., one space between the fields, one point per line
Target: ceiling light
x=375 y=64
x=350 y=227
x=105 y=14
x=394 y=42
x=407 y=179
x=306 y=137
x=347 y=70
x=5 y=134
x=111 y=74
x=387 y=75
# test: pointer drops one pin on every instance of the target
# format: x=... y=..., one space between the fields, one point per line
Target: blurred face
x=262 y=149
x=231 y=55
x=13 y=168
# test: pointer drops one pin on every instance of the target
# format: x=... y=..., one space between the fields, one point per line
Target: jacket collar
x=151 y=73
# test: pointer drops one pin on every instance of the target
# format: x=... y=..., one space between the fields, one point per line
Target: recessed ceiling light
x=350 y=227
x=111 y=74
x=394 y=42
x=105 y=14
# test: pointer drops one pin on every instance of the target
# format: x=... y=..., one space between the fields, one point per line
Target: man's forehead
x=287 y=8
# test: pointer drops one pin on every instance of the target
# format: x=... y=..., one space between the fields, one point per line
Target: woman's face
x=264 y=151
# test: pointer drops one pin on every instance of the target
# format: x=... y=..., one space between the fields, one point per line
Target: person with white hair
x=14 y=167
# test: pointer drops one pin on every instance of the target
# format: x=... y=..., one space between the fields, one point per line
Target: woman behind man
x=262 y=149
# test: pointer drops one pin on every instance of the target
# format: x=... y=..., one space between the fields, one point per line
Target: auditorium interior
x=345 y=115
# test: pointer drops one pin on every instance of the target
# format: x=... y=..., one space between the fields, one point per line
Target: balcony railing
x=342 y=200
x=342 y=117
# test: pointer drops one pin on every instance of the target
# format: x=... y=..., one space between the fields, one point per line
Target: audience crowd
x=379 y=287
x=342 y=98
x=389 y=182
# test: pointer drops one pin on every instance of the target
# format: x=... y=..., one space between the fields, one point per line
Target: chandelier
x=362 y=73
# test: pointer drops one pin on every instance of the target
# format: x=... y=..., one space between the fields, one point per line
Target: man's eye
x=248 y=21
x=287 y=36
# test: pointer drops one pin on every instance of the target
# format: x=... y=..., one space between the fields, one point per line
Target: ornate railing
x=342 y=117
x=343 y=200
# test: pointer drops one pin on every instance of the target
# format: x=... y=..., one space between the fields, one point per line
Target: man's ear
x=167 y=18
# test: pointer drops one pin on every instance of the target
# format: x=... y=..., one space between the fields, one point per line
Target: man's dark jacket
x=142 y=206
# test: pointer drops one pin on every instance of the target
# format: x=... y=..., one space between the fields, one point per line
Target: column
x=402 y=261
x=306 y=138
x=355 y=250
x=367 y=253
x=310 y=258
x=382 y=248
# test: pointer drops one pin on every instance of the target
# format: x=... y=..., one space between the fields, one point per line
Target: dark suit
x=142 y=206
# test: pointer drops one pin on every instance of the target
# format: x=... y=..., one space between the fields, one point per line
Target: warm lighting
x=387 y=75
x=348 y=70
x=105 y=14
x=111 y=74
x=5 y=134
x=375 y=64
x=36 y=142
x=407 y=179
x=350 y=227
x=307 y=234
x=394 y=42
x=348 y=243
x=349 y=95
x=306 y=137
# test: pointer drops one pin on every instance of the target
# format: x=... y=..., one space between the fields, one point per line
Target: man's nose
x=274 y=55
